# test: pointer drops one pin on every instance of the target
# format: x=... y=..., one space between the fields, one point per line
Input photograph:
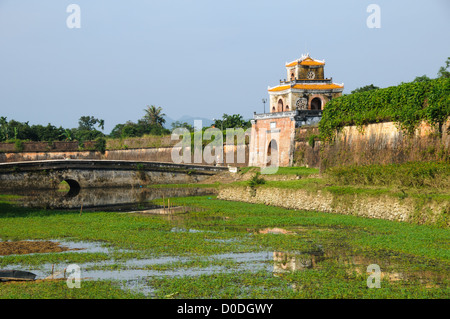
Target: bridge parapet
x=99 y=173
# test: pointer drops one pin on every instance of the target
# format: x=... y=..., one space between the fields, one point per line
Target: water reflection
x=96 y=199
x=287 y=262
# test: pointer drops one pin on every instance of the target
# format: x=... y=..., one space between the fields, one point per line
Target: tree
x=46 y=133
x=232 y=121
x=422 y=78
x=101 y=124
x=88 y=122
x=443 y=73
x=117 y=131
x=365 y=88
x=86 y=129
x=67 y=135
x=178 y=124
x=154 y=116
x=4 y=128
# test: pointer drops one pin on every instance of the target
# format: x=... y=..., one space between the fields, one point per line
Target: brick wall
x=281 y=131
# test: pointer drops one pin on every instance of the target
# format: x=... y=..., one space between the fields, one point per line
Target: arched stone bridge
x=99 y=173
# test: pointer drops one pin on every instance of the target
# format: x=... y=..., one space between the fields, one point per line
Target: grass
x=59 y=290
x=337 y=283
x=233 y=227
x=214 y=185
x=299 y=171
x=434 y=175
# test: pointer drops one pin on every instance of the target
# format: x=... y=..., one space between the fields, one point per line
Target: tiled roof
x=307 y=87
x=305 y=60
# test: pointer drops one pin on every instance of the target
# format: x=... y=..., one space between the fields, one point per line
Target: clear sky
x=200 y=58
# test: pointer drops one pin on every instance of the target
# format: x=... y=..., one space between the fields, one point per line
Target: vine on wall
x=407 y=104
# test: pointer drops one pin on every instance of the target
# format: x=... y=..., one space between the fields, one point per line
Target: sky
x=201 y=58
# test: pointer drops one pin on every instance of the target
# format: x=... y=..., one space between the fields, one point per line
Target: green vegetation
x=147 y=132
x=312 y=139
x=365 y=88
x=409 y=175
x=59 y=290
x=349 y=243
x=215 y=185
x=18 y=145
x=299 y=171
x=443 y=71
x=407 y=104
x=152 y=123
x=100 y=145
x=256 y=180
x=337 y=282
x=178 y=124
x=232 y=121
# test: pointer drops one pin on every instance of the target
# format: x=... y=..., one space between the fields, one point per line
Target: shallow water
x=134 y=273
x=99 y=199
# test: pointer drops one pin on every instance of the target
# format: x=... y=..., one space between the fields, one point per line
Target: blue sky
x=200 y=58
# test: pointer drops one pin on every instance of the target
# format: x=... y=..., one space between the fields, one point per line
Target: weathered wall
x=91 y=174
x=381 y=143
x=379 y=206
x=262 y=134
x=162 y=154
x=306 y=147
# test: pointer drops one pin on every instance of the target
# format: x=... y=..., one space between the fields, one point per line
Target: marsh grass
x=335 y=282
x=233 y=227
x=58 y=290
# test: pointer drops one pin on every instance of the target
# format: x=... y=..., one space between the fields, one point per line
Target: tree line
x=91 y=128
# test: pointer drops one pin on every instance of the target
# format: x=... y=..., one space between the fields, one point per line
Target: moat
x=216 y=248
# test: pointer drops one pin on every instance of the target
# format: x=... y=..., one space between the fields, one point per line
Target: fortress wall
x=380 y=143
x=162 y=154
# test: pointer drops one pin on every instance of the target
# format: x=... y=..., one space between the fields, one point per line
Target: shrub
x=18 y=145
x=256 y=180
x=407 y=104
x=100 y=145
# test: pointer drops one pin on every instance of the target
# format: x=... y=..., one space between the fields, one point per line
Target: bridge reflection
x=103 y=199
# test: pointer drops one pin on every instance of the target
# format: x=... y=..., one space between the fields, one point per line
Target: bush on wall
x=407 y=104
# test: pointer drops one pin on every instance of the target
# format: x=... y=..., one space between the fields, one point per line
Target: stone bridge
x=99 y=173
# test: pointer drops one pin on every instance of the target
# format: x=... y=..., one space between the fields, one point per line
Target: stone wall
x=57 y=146
x=162 y=154
x=380 y=143
x=103 y=174
x=385 y=143
x=363 y=205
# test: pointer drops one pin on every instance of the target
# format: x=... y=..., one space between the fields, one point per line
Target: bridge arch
x=74 y=187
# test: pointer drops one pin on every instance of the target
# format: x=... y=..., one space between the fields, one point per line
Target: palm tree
x=101 y=124
x=68 y=134
x=154 y=116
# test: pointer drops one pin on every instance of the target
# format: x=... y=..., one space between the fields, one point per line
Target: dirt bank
x=30 y=247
